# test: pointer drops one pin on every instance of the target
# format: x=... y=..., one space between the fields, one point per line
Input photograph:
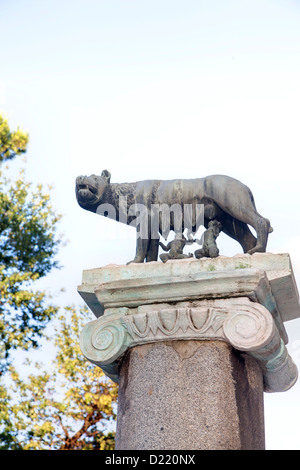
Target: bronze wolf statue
x=223 y=198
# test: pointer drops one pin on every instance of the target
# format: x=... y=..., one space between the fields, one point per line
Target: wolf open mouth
x=87 y=192
x=88 y=187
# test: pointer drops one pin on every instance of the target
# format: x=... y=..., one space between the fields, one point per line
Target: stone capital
x=245 y=325
x=241 y=304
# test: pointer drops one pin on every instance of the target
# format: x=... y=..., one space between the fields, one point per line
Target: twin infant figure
x=209 y=247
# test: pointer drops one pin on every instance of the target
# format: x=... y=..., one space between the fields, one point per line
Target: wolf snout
x=80 y=179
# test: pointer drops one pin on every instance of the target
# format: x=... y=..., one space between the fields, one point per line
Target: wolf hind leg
x=262 y=228
x=239 y=231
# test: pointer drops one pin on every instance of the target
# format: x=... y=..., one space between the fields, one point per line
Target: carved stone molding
x=175 y=323
x=247 y=326
x=103 y=341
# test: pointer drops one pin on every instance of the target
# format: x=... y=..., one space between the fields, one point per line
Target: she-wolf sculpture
x=223 y=197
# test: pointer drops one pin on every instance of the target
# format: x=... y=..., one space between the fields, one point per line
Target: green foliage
x=28 y=245
x=67 y=407
x=71 y=405
x=11 y=143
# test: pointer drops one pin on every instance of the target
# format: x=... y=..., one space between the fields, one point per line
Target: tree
x=12 y=143
x=28 y=245
x=68 y=407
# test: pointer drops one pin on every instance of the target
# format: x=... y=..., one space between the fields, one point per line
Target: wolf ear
x=106 y=175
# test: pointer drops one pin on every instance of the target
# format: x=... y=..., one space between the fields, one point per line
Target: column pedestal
x=193 y=345
x=189 y=395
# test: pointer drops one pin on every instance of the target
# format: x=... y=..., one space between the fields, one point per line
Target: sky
x=159 y=89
